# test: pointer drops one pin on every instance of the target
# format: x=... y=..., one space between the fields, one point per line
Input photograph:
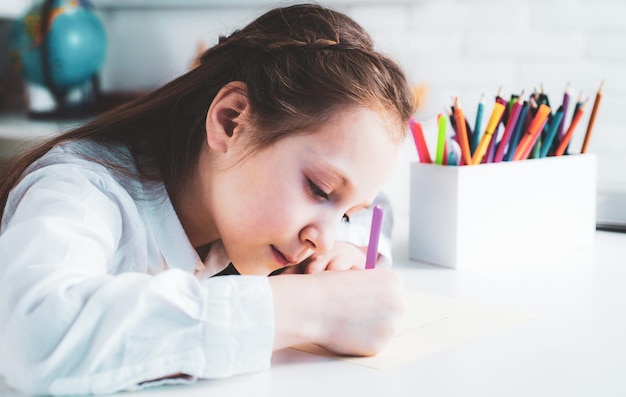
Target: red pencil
x=420 y=142
x=510 y=126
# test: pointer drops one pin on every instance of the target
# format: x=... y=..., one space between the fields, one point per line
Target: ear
x=224 y=117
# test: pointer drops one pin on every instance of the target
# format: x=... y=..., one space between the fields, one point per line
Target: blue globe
x=71 y=51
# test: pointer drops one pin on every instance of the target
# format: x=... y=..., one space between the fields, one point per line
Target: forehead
x=358 y=144
x=360 y=129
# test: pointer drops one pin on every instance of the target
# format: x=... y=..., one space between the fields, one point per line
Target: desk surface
x=575 y=347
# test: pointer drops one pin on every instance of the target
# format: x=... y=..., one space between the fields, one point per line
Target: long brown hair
x=299 y=64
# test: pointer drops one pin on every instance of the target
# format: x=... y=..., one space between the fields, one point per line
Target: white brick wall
x=453 y=47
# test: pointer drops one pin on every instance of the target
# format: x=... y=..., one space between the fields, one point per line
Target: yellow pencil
x=494 y=119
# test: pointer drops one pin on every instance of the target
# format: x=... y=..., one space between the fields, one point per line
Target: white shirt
x=101 y=291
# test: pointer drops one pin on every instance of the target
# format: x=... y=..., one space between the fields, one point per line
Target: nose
x=319 y=235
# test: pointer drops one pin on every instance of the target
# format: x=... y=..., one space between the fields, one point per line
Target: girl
x=258 y=157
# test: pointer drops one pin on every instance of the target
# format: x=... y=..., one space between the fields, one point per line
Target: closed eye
x=316 y=191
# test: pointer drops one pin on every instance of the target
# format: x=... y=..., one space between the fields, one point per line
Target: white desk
x=575 y=347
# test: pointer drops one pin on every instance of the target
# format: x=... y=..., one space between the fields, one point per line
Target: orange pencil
x=459 y=119
x=570 y=131
x=532 y=133
x=592 y=118
x=494 y=120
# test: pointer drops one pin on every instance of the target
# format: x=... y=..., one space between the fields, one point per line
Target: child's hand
x=346 y=312
x=363 y=311
x=343 y=256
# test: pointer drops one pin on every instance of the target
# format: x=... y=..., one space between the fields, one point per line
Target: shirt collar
x=163 y=222
x=173 y=241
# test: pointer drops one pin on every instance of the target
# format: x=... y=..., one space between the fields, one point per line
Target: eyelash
x=316 y=191
x=319 y=193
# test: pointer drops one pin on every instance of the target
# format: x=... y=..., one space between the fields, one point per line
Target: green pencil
x=441 y=140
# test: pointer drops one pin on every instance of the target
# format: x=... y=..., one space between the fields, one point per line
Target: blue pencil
x=478 y=124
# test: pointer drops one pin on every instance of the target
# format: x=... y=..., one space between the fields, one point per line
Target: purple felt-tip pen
x=372 y=248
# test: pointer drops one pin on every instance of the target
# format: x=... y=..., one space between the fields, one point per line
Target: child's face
x=276 y=208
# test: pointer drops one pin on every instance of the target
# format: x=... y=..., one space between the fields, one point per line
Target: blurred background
x=447 y=47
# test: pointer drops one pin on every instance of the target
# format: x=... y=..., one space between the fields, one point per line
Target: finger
x=338 y=263
x=317 y=264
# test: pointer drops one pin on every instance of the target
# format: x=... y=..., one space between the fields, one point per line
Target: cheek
x=281 y=210
x=265 y=215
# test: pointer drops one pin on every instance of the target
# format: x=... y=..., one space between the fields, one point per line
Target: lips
x=282 y=259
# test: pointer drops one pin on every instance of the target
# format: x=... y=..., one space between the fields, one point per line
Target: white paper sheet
x=431 y=324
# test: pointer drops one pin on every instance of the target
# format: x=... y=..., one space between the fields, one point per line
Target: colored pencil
x=532 y=133
x=552 y=131
x=459 y=119
x=491 y=147
x=478 y=124
x=592 y=118
x=420 y=142
x=508 y=130
x=451 y=118
x=517 y=133
x=454 y=152
x=543 y=97
x=372 y=247
x=566 y=97
x=494 y=120
x=579 y=103
x=441 y=139
x=570 y=131
x=534 y=151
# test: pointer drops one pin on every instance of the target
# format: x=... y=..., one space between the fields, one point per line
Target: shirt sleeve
x=357 y=230
x=68 y=326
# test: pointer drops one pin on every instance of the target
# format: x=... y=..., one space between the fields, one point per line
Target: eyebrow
x=345 y=181
x=336 y=174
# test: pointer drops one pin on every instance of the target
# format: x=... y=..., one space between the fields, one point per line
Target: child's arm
x=72 y=323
